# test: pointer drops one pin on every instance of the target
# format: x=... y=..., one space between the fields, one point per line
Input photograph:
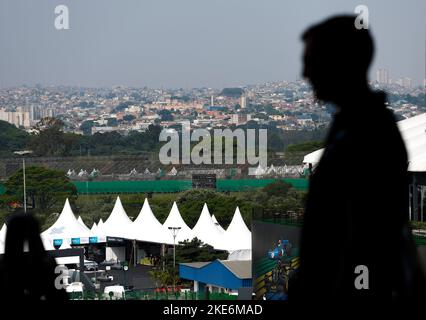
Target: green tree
x=11 y=138
x=44 y=187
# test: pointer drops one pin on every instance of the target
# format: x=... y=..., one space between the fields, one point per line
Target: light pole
x=23 y=153
x=174 y=231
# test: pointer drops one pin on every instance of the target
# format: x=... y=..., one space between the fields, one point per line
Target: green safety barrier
x=167 y=186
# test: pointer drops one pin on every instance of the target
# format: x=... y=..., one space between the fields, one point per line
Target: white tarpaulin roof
x=237 y=236
x=146 y=227
x=67 y=226
x=240 y=255
x=94 y=228
x=175 y=220
x=118 y=223
x=47 y=243
x=2 y=237
x=313 y=157
x=206 y=230
x=413 y=132
x=65 y=245
x=218 y=224
x=82 y=223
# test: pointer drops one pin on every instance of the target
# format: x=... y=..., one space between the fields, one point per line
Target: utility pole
x=174 y=231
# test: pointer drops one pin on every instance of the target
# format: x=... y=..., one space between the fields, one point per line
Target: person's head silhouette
x=27 y=270
x=336 y=59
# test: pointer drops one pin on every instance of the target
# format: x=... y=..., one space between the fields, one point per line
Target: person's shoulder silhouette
x=356 y=215
x=27 y=274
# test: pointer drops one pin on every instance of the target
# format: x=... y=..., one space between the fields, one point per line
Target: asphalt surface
x=137 y=278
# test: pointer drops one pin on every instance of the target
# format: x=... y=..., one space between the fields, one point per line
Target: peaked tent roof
x=237 y=236
x=146 y=227
x=175 y=220
x=206 y=230
x=94 y=227
x=67 y=226
x=118 y=223
x=218 y=224
x=2 y=237
x=82 y=222
x=3 y=231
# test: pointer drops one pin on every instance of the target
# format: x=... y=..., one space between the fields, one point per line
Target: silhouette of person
x=27 y=276
x=357 y=206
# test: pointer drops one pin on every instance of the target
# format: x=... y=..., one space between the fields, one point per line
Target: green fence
x=102 y=187
x=247 y=184
x=93 y=187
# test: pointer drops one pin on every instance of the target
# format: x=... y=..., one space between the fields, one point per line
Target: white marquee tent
x=67 y=227
x=82 y=223
x=147 y=228
x=218 y=224
x=94 y=228
x=174 y=219
x=237 y=236
x=68 y=230
x=118 y=223
x=206 y=230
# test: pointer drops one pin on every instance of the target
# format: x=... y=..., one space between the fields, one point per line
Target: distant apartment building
x=382 y=76
x=240 y=118
x=17 y=118
x=243 y=102
x=404 y=82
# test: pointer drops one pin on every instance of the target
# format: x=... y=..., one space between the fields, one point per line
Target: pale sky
x=189 y=43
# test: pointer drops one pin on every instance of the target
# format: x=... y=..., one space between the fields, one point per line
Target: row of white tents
x=68 y=229
x=278 y=170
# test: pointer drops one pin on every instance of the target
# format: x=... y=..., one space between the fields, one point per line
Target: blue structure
x=227 y=274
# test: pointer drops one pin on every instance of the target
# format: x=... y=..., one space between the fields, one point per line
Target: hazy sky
x=189 y=43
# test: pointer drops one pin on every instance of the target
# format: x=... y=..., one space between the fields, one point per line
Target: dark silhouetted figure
x=27 y=275
x=357 y=207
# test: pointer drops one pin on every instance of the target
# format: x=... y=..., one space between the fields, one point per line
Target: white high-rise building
x=243 y=102
x=17 y=118
x=382 y=76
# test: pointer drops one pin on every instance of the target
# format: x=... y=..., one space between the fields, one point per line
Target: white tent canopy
x=240 y=255
x=67 y=227
x=3 y=231
x=413 y=132
x=218 y=224
x=47 y=243
x=94 y=228
x=147 y=228
x=65 y=245
x=174 y=220
x=237 y=236
x=118 y=223
x=82 y=223
x=206 y=230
